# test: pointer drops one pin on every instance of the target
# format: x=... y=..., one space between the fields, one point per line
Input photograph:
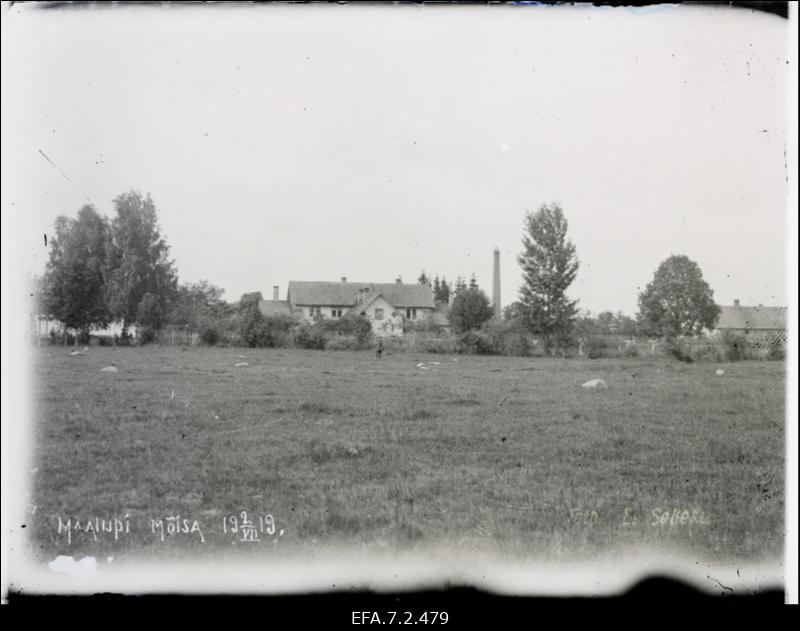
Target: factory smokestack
x=496 y=285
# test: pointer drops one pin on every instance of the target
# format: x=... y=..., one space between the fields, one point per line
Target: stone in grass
x=595 y=384
x=240 y=364
x=720 y=371
x=109 y=369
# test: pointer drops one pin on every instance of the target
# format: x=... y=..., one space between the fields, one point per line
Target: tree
x=424 y=279
x=626 y=325
x=444 y=292
x=607 y=322
x=677 y=301
x=437 y=289
x=470 y=309
x=460 y=285
x=549 y=265
x=149 y=316
x=72 y=287
x=250 y=300
x=196 y=303
x=585 y=326
x=138 y=260
x=473 y=284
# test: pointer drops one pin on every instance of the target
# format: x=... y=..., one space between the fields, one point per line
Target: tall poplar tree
x=549 y=266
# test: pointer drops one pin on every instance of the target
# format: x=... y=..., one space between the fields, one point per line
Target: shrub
x=209 y=335
x=358 y=327
x=276 y=331
x=679 y=349
x=342 y=343
x=251 y=326
x=435 y=345
x=474 y=343
x=776 y=352
x=628 y=351
x=356 y=331
x=309 y=336
x=508 y=338
x=737 y=346
x=596 y=347
x=426 y=326
x=145 y=335
x=708 y=352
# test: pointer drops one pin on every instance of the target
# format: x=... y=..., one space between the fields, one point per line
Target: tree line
x=103 y=270
x=119 y=270
x=677 y=302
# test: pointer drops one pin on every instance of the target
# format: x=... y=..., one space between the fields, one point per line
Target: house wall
x=392 y=322
x=304 y=311
x=390 y=325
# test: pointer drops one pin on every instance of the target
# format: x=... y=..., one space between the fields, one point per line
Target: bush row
x=494 y=338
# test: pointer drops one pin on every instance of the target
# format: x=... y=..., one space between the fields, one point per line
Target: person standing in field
x=379 y=349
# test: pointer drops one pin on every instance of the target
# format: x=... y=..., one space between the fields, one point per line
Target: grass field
x=506 y=455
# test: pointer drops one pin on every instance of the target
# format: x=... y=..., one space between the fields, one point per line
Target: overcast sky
x=314 y=142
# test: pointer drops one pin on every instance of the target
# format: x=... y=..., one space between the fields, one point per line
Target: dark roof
x=752 y=318
x=346 y=294
x=274 y=308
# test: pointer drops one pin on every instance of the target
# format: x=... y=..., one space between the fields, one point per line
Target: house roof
x=346 y=294
x=752 y=318
x=271 y=308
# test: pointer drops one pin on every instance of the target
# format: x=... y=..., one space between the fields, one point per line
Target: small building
x=763 y=326
x=386 y=305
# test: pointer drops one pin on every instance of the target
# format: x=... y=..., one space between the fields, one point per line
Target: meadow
x=508 y=456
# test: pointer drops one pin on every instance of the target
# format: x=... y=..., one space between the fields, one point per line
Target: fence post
x=580 y=348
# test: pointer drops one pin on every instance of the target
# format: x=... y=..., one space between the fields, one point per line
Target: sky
x=314 y=142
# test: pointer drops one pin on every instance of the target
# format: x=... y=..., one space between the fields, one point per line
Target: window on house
x=411 y=313
x=336 y=313
x=379 y=314
x=314 y=312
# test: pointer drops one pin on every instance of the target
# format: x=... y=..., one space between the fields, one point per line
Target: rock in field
x=720 y=371
x=109 y=369
x=596 y=384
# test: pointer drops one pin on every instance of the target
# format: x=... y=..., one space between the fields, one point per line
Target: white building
x=386 y=305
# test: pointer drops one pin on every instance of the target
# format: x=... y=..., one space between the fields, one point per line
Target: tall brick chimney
x=275 y=293
x=496 y=285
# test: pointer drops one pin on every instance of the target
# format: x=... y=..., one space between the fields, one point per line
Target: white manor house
x=386 y=305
